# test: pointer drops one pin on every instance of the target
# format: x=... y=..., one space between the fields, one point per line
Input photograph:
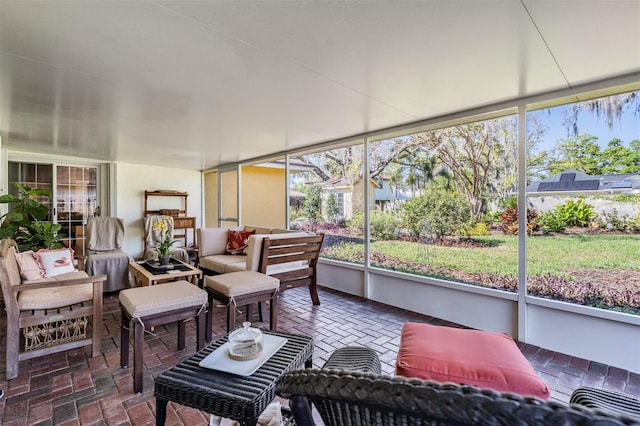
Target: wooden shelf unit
x=181 y=222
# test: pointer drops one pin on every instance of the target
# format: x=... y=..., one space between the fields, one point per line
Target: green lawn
x=594 y=270
x=547 y=254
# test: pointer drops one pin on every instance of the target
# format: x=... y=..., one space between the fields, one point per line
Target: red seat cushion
x=472 y=357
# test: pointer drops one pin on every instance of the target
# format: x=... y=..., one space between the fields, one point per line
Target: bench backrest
x=292 y=260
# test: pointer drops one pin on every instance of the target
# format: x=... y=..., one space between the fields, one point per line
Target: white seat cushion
x=241 y=283
x=144 y=301
x=235 y=267
x=56 y=297
x=218 y=262
x=286 y=267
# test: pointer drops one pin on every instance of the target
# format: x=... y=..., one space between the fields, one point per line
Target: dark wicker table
x=235 y=397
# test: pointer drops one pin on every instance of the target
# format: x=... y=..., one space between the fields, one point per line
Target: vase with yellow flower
x=164 y=248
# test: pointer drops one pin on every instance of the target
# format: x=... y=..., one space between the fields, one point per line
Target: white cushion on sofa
x=286 y=267
x=218 y=262
x=212 y=241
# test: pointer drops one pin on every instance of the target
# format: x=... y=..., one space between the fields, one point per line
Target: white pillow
x=29 y=268
x=55 y=262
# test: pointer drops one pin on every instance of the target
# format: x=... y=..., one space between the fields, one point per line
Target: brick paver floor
x=72 y=388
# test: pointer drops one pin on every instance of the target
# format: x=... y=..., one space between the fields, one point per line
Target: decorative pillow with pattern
x=29 y=268
x=55 y=262
x=237 y=241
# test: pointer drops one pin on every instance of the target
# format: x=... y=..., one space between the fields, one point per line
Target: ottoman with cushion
x=462 y=356
x=151 y=306
x=239 y=289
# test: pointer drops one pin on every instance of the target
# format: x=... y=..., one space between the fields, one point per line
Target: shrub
x=313 y=204
x=491 y=218
x=510 y=203
x=634 y=224
x=479 y=228
x=612 y=221
x=576 y=213
x=437 y=212
x=551 y=222
x=384 y=225
x=356 y=225
x=509 y=221
x=332 y=208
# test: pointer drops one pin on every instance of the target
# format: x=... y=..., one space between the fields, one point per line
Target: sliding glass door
x=74 y=195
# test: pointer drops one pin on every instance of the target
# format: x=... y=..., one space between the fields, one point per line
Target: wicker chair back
x=352 y=398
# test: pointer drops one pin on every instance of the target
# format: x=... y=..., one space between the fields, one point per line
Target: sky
x=627 y=129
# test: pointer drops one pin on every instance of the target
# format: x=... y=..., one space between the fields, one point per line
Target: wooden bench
x=293 y=261
x=287 y=262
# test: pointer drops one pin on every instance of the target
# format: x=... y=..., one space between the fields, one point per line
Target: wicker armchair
x=355 y=398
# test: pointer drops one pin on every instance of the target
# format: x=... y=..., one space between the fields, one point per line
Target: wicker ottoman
x=151 y=306
x=471 y=357
x=239 y=289
x=354 y=358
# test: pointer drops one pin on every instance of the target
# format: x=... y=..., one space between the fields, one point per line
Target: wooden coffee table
x=142 y=276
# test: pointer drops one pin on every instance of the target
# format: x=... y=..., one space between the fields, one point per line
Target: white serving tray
x=219 y=359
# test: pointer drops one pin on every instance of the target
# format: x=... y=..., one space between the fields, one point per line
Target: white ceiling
x=196 y=84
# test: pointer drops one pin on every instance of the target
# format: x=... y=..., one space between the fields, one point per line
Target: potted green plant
x=26 y=222
x=164 y=248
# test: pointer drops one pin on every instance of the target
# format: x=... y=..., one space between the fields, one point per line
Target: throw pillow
x=55 y=262
x=237 y=241
x=28 y=265
x=472 y=357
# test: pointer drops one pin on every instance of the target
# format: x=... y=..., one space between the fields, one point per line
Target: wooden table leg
x=138 y=338
x=181 y=334
x=124 y=340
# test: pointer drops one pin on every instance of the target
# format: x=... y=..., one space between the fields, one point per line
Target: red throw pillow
x=237 y=241
x=472 y=357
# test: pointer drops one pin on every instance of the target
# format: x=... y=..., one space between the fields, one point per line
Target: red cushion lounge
x=472 y=357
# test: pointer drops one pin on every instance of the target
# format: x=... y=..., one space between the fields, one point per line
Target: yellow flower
x=164 y=248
